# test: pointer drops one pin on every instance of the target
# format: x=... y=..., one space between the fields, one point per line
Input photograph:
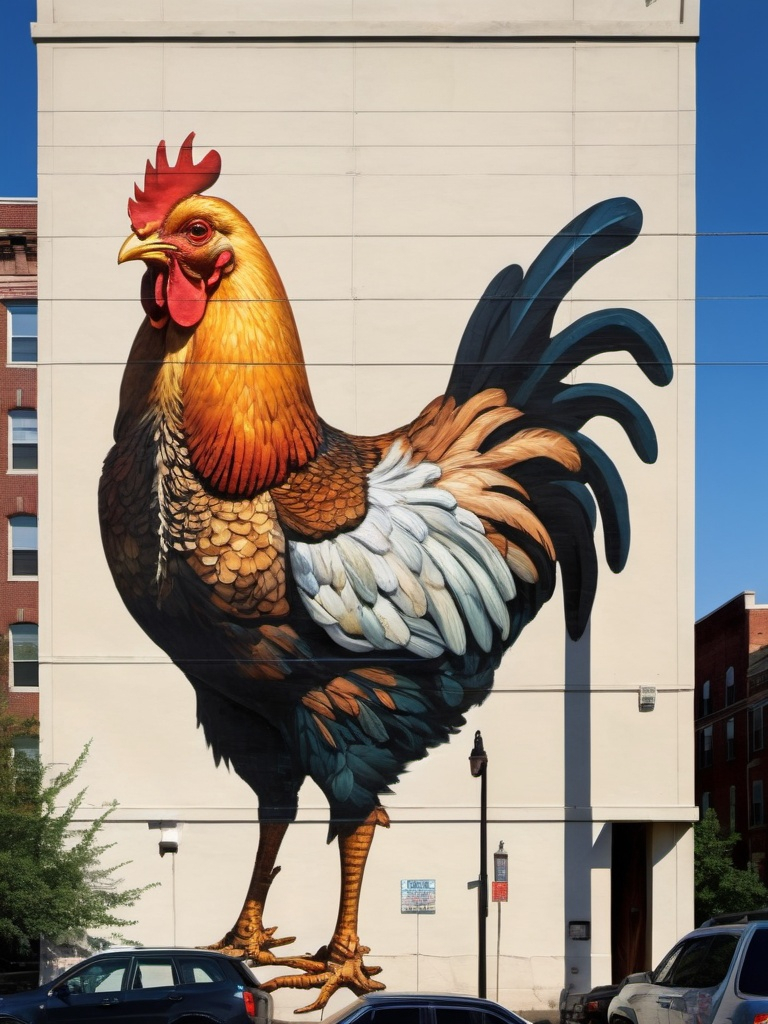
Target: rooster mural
x=339 y=602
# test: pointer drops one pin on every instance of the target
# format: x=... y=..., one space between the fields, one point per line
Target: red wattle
x=153 y=296
x=186 y=298
x=160 y=290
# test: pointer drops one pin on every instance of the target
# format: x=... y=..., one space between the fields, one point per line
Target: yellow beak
x=150 y=248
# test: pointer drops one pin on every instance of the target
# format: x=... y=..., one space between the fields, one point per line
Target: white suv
x=714 y=975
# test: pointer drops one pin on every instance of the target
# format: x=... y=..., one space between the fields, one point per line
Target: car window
x=455 y=1015
x=688 y=963
x=718 y=960
x=705 y=962
x=396 y=1015
x=753 y=980
x=663 y=973
x=102 y=976
x=199 y=971
x=153 y=973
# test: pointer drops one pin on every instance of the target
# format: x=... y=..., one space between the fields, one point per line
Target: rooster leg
x=249 y=938
x=340 y=963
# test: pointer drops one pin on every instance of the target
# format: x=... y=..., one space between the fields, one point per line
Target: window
x=24 y=546
x=701 y=963
x=23 y=332
x=757 y=817
x=705 y=698
x=24 y=657
x=461 y=1015
x=756 y=730
x=705 y=750
x=730 y=740
x=102 y=976
x=706 y=802
x=23 y=433
x=152 y=973
x=400 y=1015
x=663 y=973
x=730 y=687
x=754 y=979
x=709 y=970
x=199 y=971
x=27 y=746
x=732 y=808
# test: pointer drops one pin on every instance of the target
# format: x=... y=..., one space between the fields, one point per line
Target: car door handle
x=175 y=999
x=109 y=1002
x=665 y=1001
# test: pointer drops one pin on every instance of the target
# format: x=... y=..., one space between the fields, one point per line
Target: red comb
x=165 y=185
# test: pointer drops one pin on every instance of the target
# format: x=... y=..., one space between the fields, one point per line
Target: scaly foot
x=257 y=946
x=329 y=976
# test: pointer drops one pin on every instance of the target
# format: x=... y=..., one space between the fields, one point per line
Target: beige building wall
x=393 y=156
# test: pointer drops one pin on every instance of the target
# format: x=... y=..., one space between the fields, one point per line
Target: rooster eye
x=198 y=231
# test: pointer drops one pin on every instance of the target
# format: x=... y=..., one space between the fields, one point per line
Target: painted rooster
x=339 y=602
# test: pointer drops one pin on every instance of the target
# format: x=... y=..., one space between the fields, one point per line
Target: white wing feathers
x=414 y=574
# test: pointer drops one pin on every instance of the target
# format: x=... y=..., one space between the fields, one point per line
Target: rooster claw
x=352 y=974
x=256 y=948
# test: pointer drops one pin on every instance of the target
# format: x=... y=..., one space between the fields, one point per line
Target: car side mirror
x=61 y=990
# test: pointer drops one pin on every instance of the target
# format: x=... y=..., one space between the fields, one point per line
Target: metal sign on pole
x=500 y=895
x=418 y=896
x=500 y=885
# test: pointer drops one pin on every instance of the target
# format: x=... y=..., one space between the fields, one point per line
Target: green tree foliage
x=720 y=887
x=51 y=878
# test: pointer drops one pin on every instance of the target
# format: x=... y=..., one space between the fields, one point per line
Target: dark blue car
x=420 y=1008
x=150 y=986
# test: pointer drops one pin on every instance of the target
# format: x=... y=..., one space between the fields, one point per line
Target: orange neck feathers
x=248 y=413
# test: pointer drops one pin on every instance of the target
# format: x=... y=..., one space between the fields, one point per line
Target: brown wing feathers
x=481 y=480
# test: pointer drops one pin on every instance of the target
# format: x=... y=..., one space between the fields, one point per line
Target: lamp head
x=478 y=759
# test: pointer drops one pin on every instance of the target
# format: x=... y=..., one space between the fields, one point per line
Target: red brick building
x=731 y=712
x=18 y=455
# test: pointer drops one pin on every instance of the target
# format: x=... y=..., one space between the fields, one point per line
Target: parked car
x=588 y=1007
x=18 y=975
x=419 y=1008
x=154 y=986
x=715 y=974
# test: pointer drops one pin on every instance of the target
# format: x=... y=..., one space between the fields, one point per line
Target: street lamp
x=478 y=766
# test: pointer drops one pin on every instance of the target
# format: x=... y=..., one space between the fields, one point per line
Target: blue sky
x=732 y=306
x=732 y=286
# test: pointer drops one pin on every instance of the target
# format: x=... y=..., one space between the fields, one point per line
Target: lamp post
x=478 y=765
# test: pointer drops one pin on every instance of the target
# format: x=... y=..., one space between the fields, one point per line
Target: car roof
x=719 y=929
x=167 y=950
x=737 y=928
x=744 y=917
x=425 y=997
x=388 y=999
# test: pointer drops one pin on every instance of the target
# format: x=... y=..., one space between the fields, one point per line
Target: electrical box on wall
x=647 y=698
